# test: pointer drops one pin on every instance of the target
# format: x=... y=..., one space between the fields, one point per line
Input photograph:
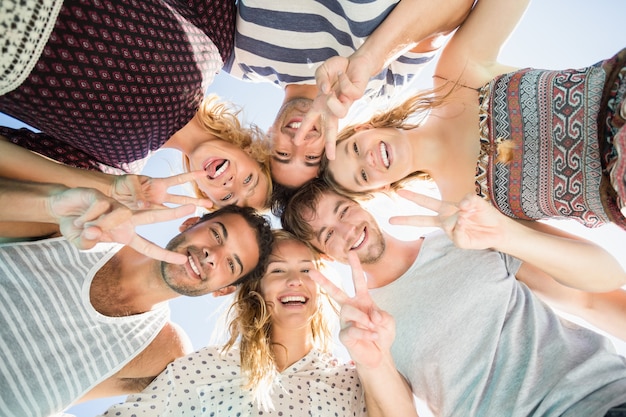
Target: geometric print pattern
x=554 y=169
x=118 y=77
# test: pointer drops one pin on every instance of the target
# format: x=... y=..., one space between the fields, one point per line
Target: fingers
x=331 y=289
x=421 y=200
x=353 y=316
x=187 y=200
x=416 y=220
x=309 y=121
x=158 y=215
x=358 y=276
x=148 y=248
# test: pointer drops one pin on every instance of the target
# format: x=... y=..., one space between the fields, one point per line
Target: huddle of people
x=461 y=318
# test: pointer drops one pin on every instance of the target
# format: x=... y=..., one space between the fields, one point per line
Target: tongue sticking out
x=216 y=167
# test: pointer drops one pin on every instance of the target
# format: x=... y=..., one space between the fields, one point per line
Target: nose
x=345 y=230
x=228 y=180
x=370 y=159
x=210 y=257
x=294 y=280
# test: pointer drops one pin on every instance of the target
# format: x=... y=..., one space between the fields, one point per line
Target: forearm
x=573 y=262
x=410 y=22
x=386 y=391
x=19 y=163
x=27 y=201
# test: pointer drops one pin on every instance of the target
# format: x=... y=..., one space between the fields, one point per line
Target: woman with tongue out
x=277 y=361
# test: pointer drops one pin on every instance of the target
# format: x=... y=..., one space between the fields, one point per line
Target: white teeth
x=194 y=268
x=358 y=242
x=293 y=298
x=383 y=154
x=294 y=125
x=221 y=170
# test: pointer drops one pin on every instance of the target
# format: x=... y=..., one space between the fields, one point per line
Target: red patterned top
x=118 y=77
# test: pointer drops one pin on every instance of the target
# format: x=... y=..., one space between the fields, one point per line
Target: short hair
x=280 y=196
x=305 y=200
x=262 y=230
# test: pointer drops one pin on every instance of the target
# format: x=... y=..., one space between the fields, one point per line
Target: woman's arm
x=471 y=54
x=475 y=224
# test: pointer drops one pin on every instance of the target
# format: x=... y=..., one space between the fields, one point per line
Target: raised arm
x=135 y=191
x=368 y=333
x=85 y=215
x=471 y=54
x=475 y=224
x=412 y=25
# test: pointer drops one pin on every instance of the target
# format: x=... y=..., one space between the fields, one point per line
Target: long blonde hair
x=414 y=108
x=250 y=325
x=220 y=120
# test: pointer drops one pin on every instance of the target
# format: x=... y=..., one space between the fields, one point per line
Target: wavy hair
x=220 y=120
x=416 y=108
x=250 y=325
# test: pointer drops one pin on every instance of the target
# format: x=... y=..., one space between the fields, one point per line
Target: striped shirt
x=284 y=42
x=54 y=346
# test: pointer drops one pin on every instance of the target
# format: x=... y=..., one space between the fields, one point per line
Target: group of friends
x=461 y=318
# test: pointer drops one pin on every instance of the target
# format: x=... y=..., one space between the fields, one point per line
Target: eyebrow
x=356 y=177
x=288 y=161
x=225 y=233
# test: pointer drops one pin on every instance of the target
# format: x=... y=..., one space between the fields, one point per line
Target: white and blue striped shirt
x=54 y=346
x=284 y=42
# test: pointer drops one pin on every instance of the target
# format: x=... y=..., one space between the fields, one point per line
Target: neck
x=300 y=91
x=291 y=345
x=130 y=283
x=189 y=136
x=398 y=257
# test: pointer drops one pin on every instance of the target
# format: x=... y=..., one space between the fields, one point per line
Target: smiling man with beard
x=471 y=339
x=78 y=325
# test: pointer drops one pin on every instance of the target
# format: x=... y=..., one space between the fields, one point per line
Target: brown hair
x=305 y=200
x=250 y=323
x=220 y=120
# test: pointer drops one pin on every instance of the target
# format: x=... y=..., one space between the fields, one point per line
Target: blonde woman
x=230 y=165
x=278 y=358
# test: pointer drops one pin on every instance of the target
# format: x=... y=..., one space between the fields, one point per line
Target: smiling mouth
x=193 y=266
x=384 y=154
x=293 y=300
x=217 y=167
x=359 y=241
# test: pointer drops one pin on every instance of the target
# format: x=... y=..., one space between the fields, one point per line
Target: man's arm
x=85 y=215
x=604 y=310
x=475 y=224
x=368 y=333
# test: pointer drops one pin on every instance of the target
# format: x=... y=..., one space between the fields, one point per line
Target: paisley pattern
x=550 y=120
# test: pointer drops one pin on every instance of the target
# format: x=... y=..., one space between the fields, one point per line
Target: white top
x=208 y=383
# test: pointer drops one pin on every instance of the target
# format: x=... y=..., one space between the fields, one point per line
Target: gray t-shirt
x=473 y=341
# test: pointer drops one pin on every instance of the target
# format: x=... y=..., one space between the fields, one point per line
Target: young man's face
x=341 y=225
x=292 y=165
x=219 y=251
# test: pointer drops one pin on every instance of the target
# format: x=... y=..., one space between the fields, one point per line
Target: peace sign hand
x=86 y=217
x=366 y=331
x=143 y=192
x=471 y=224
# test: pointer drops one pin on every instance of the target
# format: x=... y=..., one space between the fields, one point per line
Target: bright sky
x=553 y=34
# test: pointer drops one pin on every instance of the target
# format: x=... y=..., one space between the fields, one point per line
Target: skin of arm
x=411 y=25
x=85 y=215
x=135 y=191
x=368 y=333
x=474 y=224
x=604 y=310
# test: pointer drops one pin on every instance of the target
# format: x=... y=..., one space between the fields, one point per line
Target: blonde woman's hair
x=415 y=108
x=250 y=326
x=220 y=120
